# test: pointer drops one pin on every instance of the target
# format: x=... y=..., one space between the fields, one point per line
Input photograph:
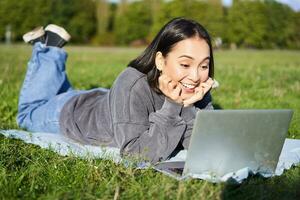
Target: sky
x=295 y=4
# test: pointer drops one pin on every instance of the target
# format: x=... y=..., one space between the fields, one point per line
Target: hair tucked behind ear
x=171 y=33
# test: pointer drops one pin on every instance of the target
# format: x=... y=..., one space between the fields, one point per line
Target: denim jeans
x=45 y=90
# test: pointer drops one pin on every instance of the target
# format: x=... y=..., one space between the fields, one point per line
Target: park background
x=248 y=24
x=257 y=65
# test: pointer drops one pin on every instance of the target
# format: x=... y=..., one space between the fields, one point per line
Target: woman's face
x=187 y=64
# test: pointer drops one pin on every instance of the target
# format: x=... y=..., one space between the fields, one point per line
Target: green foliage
x=168 y=11
x=247 y=24
x=22 y=15
x=210 y=14
x=254 y=24
x=279 y=28
x=77 y=16
x=133 y=23
x=260 y=24
x=293 y=40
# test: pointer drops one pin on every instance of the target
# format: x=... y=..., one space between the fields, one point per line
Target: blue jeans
x=45 y=90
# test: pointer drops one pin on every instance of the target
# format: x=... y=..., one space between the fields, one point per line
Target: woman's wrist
x=171 y=107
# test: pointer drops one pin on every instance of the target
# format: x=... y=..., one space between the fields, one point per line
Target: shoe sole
x=34 y=34
x=59 y=31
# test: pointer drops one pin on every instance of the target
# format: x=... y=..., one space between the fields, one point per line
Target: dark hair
x=174 y=31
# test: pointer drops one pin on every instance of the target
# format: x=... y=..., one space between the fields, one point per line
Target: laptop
x=225 y=141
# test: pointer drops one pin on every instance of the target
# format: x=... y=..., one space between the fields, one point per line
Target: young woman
x=150 y=109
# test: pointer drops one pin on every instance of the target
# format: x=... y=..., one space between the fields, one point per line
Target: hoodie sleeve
x=189 y=116
x=152 y=136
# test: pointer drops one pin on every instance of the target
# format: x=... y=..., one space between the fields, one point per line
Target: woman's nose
x=194 y=75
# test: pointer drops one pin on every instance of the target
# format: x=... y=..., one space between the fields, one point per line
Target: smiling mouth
x=188 y=86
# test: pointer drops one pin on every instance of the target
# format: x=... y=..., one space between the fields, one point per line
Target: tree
x=168 y=10
x=133 y=22
x=279 y=28
x=293 y=39
x=21 y=16
x=208 y=13
x=247 y=24
x=102 y=13
x=77 y=16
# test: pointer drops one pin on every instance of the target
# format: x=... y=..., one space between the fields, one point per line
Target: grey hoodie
x=132 y=117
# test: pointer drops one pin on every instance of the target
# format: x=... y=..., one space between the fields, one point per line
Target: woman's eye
x=204 y=67
x=184 y=65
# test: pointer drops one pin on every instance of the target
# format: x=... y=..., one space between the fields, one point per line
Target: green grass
x=248 y=79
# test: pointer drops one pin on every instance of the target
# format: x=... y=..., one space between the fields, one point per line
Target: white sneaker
x=34 y=34
x=59 y=31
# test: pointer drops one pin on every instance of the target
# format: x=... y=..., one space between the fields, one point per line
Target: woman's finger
x=192 y=100
x=175 y=94
x=209 y=80
x=172 y=85
x=177 y=90
x=206 y=89
x=196 y=97
x=163 y=81
x=205 y=85
x=170 y=88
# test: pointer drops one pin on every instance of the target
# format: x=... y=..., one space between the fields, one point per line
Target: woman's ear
x=159 y=61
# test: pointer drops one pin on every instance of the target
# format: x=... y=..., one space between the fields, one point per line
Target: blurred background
x=259 y=24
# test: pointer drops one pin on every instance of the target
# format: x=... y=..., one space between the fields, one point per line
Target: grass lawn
x=248 y=79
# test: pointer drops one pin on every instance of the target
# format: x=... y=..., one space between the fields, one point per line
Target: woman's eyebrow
x=186 y=56
x=207 y=58
x=190 y=57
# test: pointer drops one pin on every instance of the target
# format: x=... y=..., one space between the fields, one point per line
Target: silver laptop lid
x=225 y=141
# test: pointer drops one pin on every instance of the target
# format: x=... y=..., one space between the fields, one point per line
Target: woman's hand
x=170 y=88
x=200 y=91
